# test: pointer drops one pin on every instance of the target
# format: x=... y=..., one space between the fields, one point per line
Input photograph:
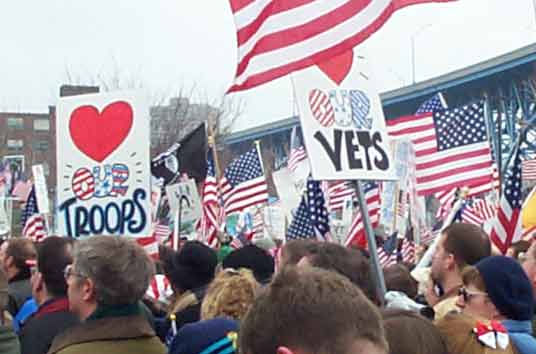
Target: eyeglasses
x=70 y=272
x=468 y=295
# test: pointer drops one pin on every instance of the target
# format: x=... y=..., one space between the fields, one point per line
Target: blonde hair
x=457 y=332
x=230 y=294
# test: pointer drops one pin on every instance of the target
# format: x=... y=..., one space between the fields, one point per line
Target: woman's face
x=475 y=303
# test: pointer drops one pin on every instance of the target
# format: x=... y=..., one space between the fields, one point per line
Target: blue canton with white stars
x=512 y=185
x=30 y=208
x=460 y=126
x=431 y=105
x=245 y=168
x=211 y=171
x=311 y=219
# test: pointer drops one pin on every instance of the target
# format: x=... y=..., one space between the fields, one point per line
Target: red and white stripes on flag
x=297 y=150
x=385 y=258
x=446 y=200
x=356 y=233
x=159 y=289
x=35 y=228
x=210 y=219
x=150 y=246
x=408 y=251
x=277 y=37
x=337 y=193
x=529 y=170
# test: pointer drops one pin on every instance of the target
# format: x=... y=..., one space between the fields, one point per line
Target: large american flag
x=451 y=147
x=33 y=223
x=356 y=233
x=297 y=150
x=311 y=219
x=277 y=37
x=507 y=227
x=529 y=169
x=209 y=222
x=243 y=184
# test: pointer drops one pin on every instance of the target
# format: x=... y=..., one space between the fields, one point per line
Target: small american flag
x=297 y=151
x=337 y=193
x=446 y=201
x=209 y=222
x=33 y=223
x=150 y=246
x=311 y=219
x=243 y=184
x=451 y=146
x=529 y=170
x=507 y=227
x=356 y=233
x=408 y=251
x=387 y=254
x=239 y=241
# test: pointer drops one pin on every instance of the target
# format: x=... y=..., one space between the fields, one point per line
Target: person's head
x=409 y=333
x=311 y=311
x=107 y=271
x=459 y=245
x=259 y=261
x=48 y=280
x=347 y=262
x=217 y=335
x=192 y=267
x=230 y=294
x=508 y=287
x=14 y=253
x=518 y=248
x=458 y=333
x=529 y=265
x=294 y=250
x=398 y=278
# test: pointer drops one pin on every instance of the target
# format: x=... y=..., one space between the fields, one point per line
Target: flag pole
x=371 y=240
x=258 y=147
x=212 y=143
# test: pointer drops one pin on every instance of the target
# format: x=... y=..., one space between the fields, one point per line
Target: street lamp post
x=413 y=36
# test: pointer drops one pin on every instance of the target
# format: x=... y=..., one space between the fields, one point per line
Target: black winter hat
x=508 y=287
x=254 y=258
x=193 y=266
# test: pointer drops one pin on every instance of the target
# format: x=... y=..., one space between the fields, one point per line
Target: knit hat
x=259 y=261
x=193 y=266
x=508 y=287
x=213 y=336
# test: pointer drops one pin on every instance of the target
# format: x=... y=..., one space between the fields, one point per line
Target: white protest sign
x=342 y=121
x=103 y=165
x=274 y=222
x=289 y=192
x=183 y=196
x=41 y=192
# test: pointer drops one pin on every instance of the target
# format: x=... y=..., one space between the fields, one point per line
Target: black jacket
x=39 y=331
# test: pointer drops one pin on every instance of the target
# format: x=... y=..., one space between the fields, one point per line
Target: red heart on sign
x=96 y=134
x=337 y=68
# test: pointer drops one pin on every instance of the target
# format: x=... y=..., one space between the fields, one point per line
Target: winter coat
x=114 y=335
x=9 y=343
x=521 y=334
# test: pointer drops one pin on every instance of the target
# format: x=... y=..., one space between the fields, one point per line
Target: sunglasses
x=68 y=272
x=468 y=295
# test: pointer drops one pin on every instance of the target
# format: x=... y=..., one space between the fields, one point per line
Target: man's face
x=75 y=291
x=439 y=260
x=529 y=265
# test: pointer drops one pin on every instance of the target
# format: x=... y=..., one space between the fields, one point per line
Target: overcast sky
x=167 y=44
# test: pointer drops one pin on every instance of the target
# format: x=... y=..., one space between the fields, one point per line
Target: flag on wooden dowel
x=278 y=37
x=244 y=184
x=210 y=222
x=297 y=150
x=507 y=227
x=33 y=223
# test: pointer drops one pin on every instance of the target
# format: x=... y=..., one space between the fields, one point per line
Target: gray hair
x=119 y=268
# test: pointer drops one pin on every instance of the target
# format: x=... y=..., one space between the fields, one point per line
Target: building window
x=15 y=123
x=46 y=169
x=15 y=145
x=40 y=145
x=41 y=124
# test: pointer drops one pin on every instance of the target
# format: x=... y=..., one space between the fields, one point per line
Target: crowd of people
x=105 y=295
